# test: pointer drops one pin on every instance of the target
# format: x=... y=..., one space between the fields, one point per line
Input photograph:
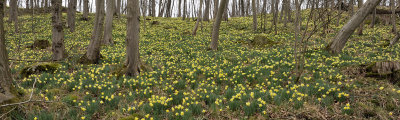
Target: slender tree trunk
x=225 y=15
x=118 y=8
x=337 y=44
x=5 y=74
x=107 y=40
x=360 y=29
x=217 y=24
x=71 y=15
x=27 y=4
x=373 y=19
x=85 y=10
x=93 y=52
x=153 y=8
x=132 y=39
x=253 y=2
x=180 y=8
x=233 y=8
x=207 y=11
x=58 y=46
x=184 y=10
x=199 y=14
x=339 y=16
x=393 y=16
x=275 y=15
x=351 y=7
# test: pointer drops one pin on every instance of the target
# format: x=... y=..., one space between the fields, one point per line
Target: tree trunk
x=107 y=40
x=58 y=47
x=132 y=39
x=13 y=11
x=253 y=4
x=339 y=16
x=199 y=14
x=85 y=10
x=225 y=16
x=373 y=19
x=180 y=8
x=360 y=29
x=118 y=8
x=5 y=74
x=71 y=15
x=207 y=11
x=216 y=26
x=233 y=8
x=337 y=44
x=184 y=10
x=93 y=52
x=393 y=16
x=216 y=4
x=351 y=7
x=168 y=12
x=153 y=8
x=27 y=4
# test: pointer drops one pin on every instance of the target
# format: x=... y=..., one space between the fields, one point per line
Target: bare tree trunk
x=107 y=40
x=253 y=2
x=93 y=52
x=339 y=16
x=337 y=44
x=180 y=8
x=360 y=29
x=5 y=74
x=71 y=15
x=27 y=4
x=233 y=8
x=225 y=16
x=351 y=7
x=207 y=11
x=199 y=14
x=118 y=8
x=153 y=8
x=373 y=19
x=184 y=9
x=58 y=46
x=132 y=39
x=216 y=4
x=216 y=26
x=85 y=10
x=13 y=11
x=393 y=16
x=169 y=8
x=274 y=8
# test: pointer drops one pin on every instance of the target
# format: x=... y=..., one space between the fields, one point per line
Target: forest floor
x=181 y=79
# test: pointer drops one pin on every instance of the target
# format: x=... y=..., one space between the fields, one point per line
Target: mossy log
x=39 y=68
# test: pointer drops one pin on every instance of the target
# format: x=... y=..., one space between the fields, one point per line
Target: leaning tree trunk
x=198 y=19
x=206 y=16
x=92 y=55
x=5 y=74
x=107 y=40
x=217 y=24
x=253 y=4
x=58 y=47
x=132 y=39
x=85 y=10
x=337 y=44
x=71 y=15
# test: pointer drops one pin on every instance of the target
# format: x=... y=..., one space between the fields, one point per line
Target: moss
x=40 y=44
x=39 y=68
x=262 y=40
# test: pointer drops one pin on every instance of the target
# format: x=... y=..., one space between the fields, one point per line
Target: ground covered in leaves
x=181 y=79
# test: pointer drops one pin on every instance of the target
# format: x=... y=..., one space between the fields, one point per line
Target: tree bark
x=225 y=15
x=199 y=14
x=58 y=47
x=85 y=10
x=233 y=8
x=216 y=4
x=253 y=2
x=360 y=29
x=93 y=52
x=168 y=12
x=132 y=39
x=71 y=15
x=180 y=8
x=216 y=26
x=337 y=44
x=184 y=10
x=5 y=74
x=393 y=16
x=13 y=11
x=206 y=16
x=153 y=8
x=107 y=40
x=118 y=8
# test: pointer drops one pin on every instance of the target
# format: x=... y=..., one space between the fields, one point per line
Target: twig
x=7 y=112
x=28 y=101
